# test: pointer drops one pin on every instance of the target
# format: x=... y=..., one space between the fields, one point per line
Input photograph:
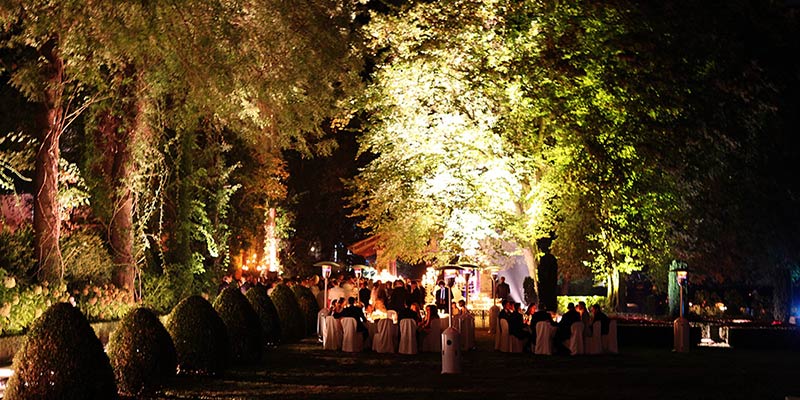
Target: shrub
x=244 y=328
x=309 y=307
x=293 y=324
x=61 y=358
x=85 y=257
x=589 y=300
x=141 y=353
x=201 y=342
x=102 y=303
x=20 y=306
x=267 y=314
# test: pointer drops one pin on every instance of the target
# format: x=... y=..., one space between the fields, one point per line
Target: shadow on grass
x=305 y=371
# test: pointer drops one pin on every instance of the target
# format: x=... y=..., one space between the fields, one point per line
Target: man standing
x=503 y=290
x=443 y=297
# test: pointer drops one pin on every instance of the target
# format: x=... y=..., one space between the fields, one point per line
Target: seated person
x=431 y=318
x=409 y=312
x=516 y=326
x=337 y=307
x=454 y=311
x=462 y=308
x=538 y=314
x=353 y=311
x=598 y=315
x=565 y=326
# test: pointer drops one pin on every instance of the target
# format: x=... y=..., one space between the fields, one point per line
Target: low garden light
x=681 y=324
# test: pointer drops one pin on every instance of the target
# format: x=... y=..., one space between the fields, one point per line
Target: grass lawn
x=305 y=371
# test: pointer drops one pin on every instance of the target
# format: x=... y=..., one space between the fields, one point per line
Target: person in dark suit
x=564 y=330
x=598 y=315
x=398 y=297
x=443 y=297
x=417 y=294
x=516 y=324
x=353 y=311
x=364 y=293
x=539 y=314
x=503 y=291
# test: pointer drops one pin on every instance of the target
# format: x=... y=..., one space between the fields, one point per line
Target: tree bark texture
x=46 y=210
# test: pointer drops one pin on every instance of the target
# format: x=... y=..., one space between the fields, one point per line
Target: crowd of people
x=522 y=324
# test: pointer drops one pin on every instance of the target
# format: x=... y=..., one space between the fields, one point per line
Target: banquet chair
x=545 y=332
x=575 y=342
x=408 y=336
x=332 y=335
x=385 y=338
x=432 y=342
x=494 y=315
x=352 y=340
x=593 y=344
x=508 y=342
x=610 y=340
x=466 y=329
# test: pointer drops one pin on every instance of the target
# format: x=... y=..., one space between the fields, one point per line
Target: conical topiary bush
x=293 y=324
x=61 y=358
x=244 y=328
x=199 y=336
x=141 y=353
x=267 y=314
x=308 y=304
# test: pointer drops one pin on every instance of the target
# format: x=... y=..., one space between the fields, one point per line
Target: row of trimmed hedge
x=62 y=358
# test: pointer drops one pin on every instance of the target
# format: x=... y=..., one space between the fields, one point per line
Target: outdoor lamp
x=357 y=271
x=326 y=274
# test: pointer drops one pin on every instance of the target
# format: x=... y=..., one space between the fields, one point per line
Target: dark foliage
x=141 y=353
x=293 y=324
x=61 y=358
x=309 y=307
x=200 y=337
x=244 y=328
x=267 y=314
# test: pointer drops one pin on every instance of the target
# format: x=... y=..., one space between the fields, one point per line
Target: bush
x=106 y=303
x=85 y=257
x=293 y=324
x=309 y=307
x=61 y=358
x=589 y=300
x=21 y=306
x=242 y=323
x=200 y=338
x=267 y=314
x=141 y=353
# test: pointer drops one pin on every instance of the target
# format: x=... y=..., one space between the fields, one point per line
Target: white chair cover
x=321 y=322
x=392 y=315
x=432 y=342
x=385 y=338
x=594 y=344
x=610 y=340
x=576 y=339
x=408 y=336
x=352 y=341
x=466 y=328
x=501 y=335
x=544 y=338
x=494 y=315
x=332 y=338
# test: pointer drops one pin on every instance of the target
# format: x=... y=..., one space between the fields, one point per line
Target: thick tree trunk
x=46 y=213
x=116 y=139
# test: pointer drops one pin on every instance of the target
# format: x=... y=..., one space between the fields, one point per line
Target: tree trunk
x=46 y=213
